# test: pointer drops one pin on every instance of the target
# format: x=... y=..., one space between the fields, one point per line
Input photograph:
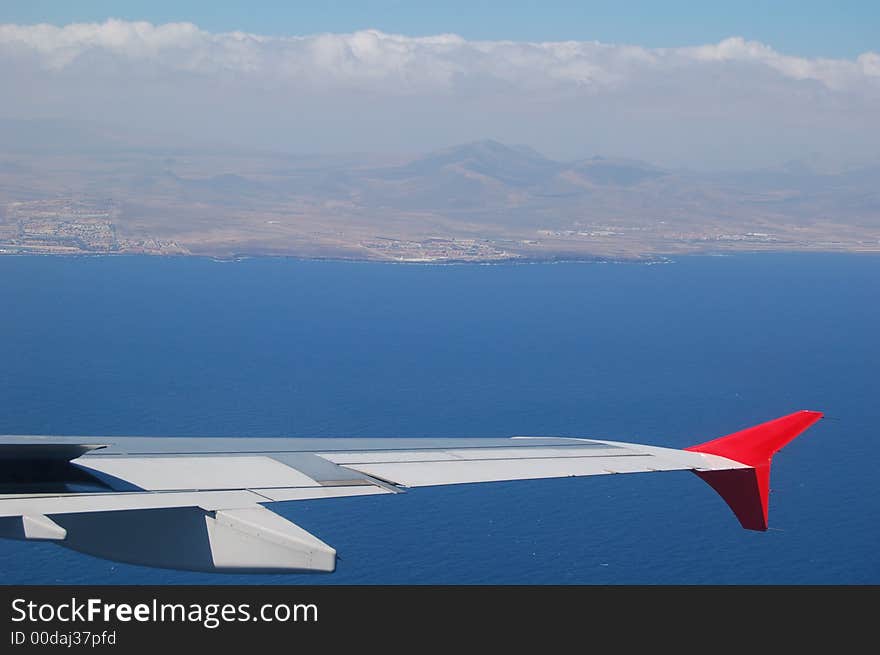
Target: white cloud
x=131 y=71
x=833 y=73
x=370 y=56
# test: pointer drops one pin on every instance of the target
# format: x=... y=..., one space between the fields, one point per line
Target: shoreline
x=652 y=260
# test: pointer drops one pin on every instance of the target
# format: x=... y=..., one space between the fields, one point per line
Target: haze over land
x=480 y=201
x=170 y=139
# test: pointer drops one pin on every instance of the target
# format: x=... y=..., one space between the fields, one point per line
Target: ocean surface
x=671 y=355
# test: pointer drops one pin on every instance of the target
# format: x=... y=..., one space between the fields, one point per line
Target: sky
x=841 y=28
x=721 y=85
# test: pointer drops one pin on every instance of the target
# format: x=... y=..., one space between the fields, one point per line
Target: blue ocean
x=672 y=355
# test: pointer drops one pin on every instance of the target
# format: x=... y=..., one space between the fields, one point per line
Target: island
x=478 y=202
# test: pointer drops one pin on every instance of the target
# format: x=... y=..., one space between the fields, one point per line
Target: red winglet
x=746 y=491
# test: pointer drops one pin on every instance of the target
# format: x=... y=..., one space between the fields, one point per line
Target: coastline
x=651 y=259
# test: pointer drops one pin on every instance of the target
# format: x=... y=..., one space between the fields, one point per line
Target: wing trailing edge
x=747 y=490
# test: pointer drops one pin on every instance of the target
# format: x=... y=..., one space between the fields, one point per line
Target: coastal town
x=71 y=227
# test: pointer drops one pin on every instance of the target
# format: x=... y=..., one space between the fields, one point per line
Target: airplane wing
x=198 y=503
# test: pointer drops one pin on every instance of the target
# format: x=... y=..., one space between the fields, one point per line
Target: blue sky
x=843 y=28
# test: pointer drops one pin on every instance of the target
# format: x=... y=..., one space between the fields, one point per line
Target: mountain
x=602 y=171
x=518 y=166
x=488 y=175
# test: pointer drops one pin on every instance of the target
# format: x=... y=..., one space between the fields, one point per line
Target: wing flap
x=458 y=454
x=315 y=493
x=112 y=502
x=425 y=474
x=198 y=472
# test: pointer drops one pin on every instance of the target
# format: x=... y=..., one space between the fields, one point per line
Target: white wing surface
x=198 y=503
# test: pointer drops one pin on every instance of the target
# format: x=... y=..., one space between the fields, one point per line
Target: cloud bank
x=736 y=101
